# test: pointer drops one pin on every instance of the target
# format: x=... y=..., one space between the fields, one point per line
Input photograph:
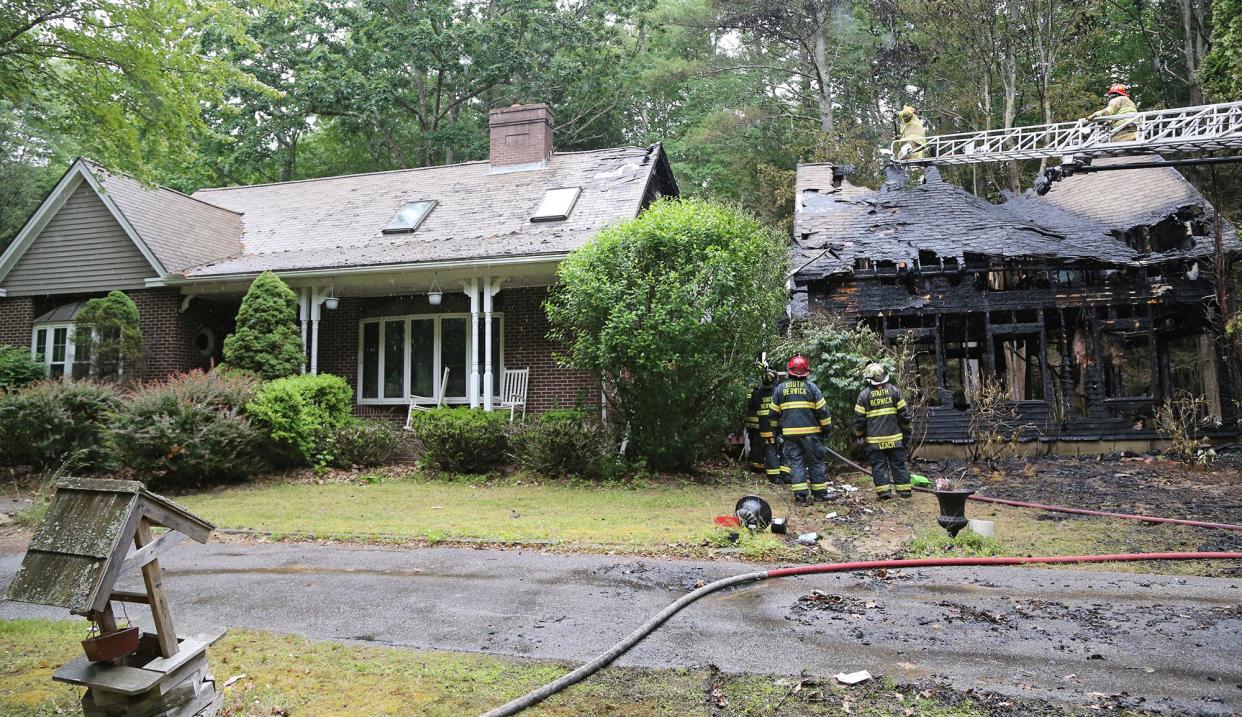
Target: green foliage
x=1221 y=71
x=670 y=311
x=461 y=439
x=17 y=368
x=125 y=81
x=109 y=329
x=968 y=544
x=266 y=341
x=50 y=422
x=365 y=444
x=191 y=430
x=565 y=443
x=299 y=412
x=838 y=353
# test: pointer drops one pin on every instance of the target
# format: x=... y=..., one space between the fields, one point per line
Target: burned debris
x=1089 y=306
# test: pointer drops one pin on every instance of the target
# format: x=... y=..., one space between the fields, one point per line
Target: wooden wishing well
x=96 y=532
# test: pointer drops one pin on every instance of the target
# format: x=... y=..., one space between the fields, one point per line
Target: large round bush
x=670 y=310
x=298 y=413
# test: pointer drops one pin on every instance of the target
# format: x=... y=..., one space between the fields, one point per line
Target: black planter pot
x=952 y=510
x=754 y=512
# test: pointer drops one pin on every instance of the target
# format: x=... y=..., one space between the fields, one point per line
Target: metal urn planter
x=952 y=510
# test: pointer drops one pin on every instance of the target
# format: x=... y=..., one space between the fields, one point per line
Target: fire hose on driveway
x=536 y=696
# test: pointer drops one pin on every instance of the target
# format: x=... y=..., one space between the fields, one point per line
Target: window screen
x=410 y=216
x=556 y=204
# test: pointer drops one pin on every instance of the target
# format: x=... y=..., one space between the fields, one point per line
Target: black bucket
x=952 y=510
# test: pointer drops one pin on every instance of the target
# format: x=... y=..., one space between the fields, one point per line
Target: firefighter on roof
x=1119 y=103
x=913 y=134
x=764 y=451
x=881 y=421
x=799 y=416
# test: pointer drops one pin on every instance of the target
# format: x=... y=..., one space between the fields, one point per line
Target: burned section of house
x=1078 y=312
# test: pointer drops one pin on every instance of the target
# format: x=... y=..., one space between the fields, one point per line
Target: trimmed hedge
x=461 y=439
x=565 y=442
x=191 y=430
x=48 y=423
x=365 y=444
x=298 y=413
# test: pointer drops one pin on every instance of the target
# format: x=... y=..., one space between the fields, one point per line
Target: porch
x=392 y=334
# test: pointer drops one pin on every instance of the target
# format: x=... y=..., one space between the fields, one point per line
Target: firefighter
x=881 y=420
x=764 y=451
x=913 y=134
x=1119 y=103
x=799 y=417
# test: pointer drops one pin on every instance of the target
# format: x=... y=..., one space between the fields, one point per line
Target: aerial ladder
x=1193 y=131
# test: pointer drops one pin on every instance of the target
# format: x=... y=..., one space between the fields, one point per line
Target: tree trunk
x=1011 y=85
x=1190 y=47
x=823 y=74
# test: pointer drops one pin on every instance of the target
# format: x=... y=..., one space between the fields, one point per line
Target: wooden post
x=1044 y=374
x=105 y=619
x=160 y=612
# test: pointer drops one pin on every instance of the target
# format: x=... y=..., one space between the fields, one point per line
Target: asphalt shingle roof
x=337 y=222
x=180 y=230
x=1081 y=218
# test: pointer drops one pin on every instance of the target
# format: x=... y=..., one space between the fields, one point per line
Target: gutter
x=183 y=280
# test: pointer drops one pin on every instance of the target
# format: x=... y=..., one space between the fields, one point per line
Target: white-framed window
x=400 y=356
x=52 y=345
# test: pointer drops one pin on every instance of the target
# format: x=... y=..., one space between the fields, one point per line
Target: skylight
x=410 y=216
x=556 y=204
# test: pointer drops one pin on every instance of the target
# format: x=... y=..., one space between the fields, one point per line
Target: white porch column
x=317 y=296
x=303 y=316
x=491 y=287
x=472 y=387
x=316 y=299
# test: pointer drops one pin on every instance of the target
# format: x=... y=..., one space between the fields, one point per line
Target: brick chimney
x=521 y=137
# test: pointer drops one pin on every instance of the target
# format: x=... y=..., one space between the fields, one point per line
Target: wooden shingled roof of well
x=77 y=552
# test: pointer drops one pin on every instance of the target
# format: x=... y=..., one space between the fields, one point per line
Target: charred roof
x=1112 y=218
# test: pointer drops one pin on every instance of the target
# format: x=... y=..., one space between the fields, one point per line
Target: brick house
x=399 y=274
x=1087 y=305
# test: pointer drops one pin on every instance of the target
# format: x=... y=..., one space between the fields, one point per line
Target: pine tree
x=266 y=341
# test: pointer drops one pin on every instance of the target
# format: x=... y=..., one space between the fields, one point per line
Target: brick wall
x=168 y=333
x=525 y=343
x=16 y=320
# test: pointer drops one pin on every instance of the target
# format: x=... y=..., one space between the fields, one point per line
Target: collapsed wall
x=1075 y=314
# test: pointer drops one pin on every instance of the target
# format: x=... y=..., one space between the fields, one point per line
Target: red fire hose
x=1062 y=508
x=536 y=696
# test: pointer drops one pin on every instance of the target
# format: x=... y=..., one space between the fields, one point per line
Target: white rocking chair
x=513 y=391
x=426 y=403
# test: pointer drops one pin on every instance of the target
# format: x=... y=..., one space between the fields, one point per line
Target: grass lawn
x=294 y=676
x=665 y=518
x=671 y=516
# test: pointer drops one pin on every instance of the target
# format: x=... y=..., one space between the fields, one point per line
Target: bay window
x=52 y=345
x=400 y=356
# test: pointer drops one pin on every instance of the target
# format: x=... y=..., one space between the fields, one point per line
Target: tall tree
x=123 y=79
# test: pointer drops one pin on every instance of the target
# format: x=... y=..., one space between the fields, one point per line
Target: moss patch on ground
x=294 y=676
